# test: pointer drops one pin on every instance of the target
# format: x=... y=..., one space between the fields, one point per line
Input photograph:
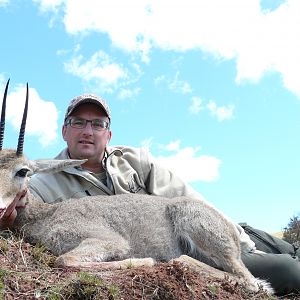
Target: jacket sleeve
x=162 y=182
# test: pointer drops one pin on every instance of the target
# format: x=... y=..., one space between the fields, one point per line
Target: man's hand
x=10 y=214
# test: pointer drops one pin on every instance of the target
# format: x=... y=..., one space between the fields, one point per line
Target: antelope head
x=15 y=168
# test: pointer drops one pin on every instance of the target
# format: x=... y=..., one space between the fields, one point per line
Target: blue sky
x=211 y=87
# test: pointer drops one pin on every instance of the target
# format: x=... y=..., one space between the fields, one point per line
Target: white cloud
x=260 y=41
x=4 y=2
x=42 y=115
x=186 y=162
x=221 y=112
x=99 y=67
x=195 y=106
x=175 y=84
x=190 y=166
x=147 y=143
x=51 y=5
x=173 y=146
x=128 y=93
x=180 y=86
x=159 y=80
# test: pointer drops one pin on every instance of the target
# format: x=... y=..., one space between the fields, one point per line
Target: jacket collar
x=109 y=152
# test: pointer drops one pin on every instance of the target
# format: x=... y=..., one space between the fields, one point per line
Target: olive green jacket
x=128 y=169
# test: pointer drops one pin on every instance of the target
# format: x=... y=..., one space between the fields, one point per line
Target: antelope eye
x=22 y=172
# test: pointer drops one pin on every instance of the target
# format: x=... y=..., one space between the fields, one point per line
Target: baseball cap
x=87 y=98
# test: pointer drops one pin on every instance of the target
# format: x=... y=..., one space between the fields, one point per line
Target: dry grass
x=278 y=234
x=27 y=272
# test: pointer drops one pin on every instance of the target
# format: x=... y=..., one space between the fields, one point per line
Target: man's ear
x=109 y=136
x=63 y=131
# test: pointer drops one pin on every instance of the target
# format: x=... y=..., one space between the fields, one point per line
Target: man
x=117 y=170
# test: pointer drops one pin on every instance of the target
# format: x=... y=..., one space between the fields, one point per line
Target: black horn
x=23 y=125
x=2 y=123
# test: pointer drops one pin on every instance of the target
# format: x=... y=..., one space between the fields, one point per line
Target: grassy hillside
x=27 y=272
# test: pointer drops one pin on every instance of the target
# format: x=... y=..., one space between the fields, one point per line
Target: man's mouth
x=86 y=142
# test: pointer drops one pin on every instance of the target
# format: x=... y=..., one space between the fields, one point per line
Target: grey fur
x=100 y=229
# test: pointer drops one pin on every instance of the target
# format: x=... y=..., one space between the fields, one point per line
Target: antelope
x=111 y=231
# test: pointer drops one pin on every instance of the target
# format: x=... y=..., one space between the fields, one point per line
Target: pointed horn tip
x=7 y=84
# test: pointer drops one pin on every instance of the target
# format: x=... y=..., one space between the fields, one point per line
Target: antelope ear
x=54 y=165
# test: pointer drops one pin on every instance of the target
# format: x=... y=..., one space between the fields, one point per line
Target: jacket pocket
x=135 y=185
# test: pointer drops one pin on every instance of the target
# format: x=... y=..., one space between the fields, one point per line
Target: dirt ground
x=27 y=272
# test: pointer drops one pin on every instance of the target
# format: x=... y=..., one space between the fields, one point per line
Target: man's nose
x=88 y=128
